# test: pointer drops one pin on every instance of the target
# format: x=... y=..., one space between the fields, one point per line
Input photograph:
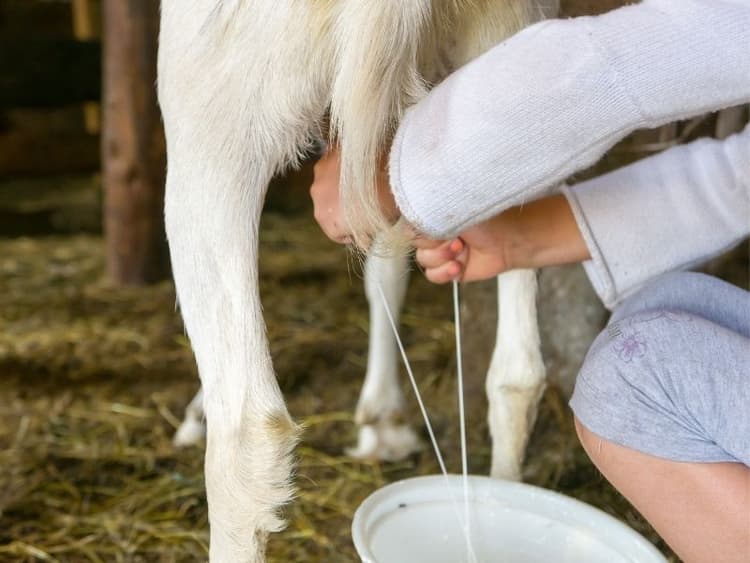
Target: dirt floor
x=94 y=380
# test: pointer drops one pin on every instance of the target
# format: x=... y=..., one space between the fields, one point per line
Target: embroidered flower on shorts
x=631 y=345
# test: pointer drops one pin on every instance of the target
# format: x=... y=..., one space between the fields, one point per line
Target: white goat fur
x=244 y=86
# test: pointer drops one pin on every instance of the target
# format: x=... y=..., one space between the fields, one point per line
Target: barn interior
x=96 y=369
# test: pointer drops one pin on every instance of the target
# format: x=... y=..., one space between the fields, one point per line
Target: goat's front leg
x=383 y=433
x=515 y=381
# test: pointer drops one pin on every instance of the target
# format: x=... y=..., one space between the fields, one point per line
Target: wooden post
x=133 y=147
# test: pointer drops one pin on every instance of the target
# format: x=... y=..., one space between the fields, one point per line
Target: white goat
x=244 y=86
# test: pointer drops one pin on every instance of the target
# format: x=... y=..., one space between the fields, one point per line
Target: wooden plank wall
x=46 y=75
x=51 y=84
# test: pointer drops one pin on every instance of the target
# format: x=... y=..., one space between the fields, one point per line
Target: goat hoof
x=189 y=433
x=385 y=442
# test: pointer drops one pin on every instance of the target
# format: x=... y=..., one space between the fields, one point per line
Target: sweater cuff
x=671 y=211
x=395 y=179
x=596 y=268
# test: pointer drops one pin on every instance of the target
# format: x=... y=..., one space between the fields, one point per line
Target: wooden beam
x=28 y=18
x=48 y=72
x=133 y=147
x=39 y=153
x=84 y=24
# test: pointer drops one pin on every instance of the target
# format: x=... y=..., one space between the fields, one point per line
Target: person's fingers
x=447 y=272
x=433 y=257
x=482 y=266
x=420 y=242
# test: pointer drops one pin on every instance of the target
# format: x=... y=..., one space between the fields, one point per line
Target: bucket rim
x=377 y=504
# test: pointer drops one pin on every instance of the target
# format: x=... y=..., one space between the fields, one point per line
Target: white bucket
x=417 y=521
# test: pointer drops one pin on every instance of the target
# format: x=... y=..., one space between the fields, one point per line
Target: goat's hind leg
x=383 y=433
x=239 y=90
x=516 y=378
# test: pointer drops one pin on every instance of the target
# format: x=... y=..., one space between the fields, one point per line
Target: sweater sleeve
x=671 y=211
x=553 y=98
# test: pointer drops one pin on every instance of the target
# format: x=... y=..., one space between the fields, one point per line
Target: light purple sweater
x=552 y=99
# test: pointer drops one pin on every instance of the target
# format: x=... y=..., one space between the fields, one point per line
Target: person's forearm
x=537 y=234
x=543 y=233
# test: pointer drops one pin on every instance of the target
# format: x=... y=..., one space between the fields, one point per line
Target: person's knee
x=590 y=441
x=634 y=352
x=620 y=385
x=609 y=457
x=583 y=433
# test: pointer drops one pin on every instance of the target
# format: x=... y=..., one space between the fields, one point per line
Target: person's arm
x=671 y=211
x=553 y=98
x=541 y=233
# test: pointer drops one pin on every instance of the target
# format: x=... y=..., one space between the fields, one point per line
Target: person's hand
x=540 y=233
x=324 y=192
x=479 y=253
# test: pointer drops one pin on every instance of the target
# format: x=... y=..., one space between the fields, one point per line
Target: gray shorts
x=670 y=375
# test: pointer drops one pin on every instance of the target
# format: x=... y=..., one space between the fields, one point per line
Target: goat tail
x=377 y=78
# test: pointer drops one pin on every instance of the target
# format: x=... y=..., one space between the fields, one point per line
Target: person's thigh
x=666 y=381
x=661 y=408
